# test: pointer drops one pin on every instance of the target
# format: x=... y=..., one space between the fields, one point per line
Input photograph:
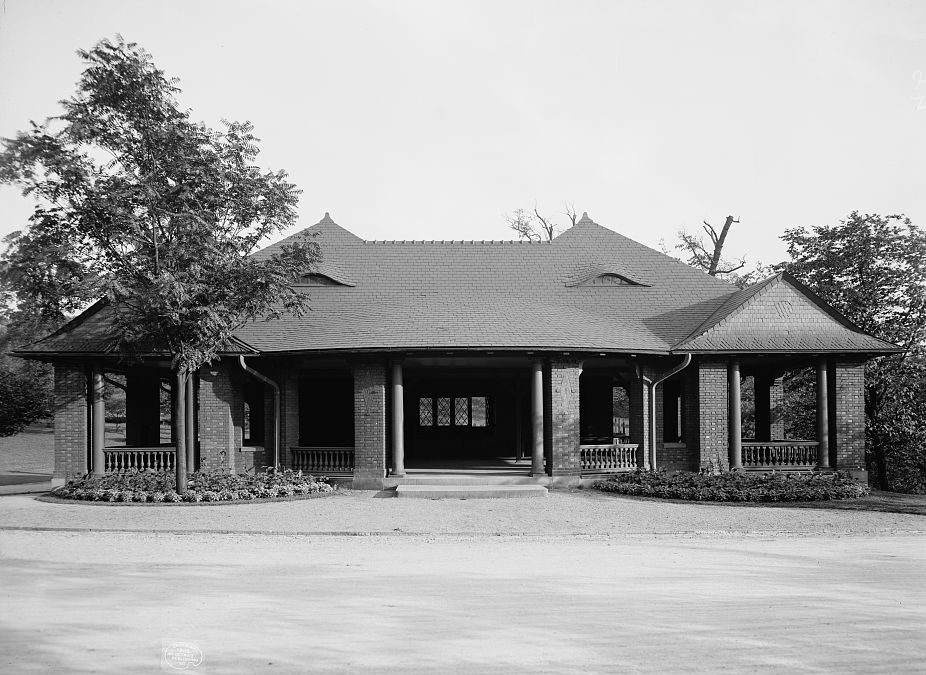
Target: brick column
x=289 y=410
x=564 y=400
x=849 y=439
x=638 y=393
x=221 y=411
x=71 y=419
x=776 y=399
x=369 y=426
x=713 y=415
x=692 y=419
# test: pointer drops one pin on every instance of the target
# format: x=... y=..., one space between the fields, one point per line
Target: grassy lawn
x=32 y=451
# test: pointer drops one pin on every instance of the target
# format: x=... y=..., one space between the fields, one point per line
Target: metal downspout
x=276 y=406
x=652 y=401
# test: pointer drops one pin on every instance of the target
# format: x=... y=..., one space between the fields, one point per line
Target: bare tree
x=536 y=227
x=709 y=259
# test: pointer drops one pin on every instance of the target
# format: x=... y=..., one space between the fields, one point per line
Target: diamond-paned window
x=480 y=418
x=425 y=412
x=443 y=412
x=461 y=412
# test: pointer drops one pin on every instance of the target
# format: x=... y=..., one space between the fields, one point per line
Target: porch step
x=471 y=491
x=467 y=480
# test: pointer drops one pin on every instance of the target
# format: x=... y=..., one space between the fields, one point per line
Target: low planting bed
x=152 y=487
x=736 y=486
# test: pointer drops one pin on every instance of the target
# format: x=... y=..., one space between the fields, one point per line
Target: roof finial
x=327 y=218
x=585 y=218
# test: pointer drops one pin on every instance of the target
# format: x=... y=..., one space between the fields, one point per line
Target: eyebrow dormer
x=603 y=275
x=320 y=279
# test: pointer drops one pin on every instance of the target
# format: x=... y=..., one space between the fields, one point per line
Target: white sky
x=429 y=120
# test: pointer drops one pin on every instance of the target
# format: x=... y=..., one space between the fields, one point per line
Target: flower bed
x=149 y=486
x=736 y=486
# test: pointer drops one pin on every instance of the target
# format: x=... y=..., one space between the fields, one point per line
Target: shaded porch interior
x=474 y=414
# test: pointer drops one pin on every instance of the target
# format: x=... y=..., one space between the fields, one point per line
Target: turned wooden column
x=736 y=418
x=398 y=420
x=537 y=468
x=190 y=426
x=97 y=421
x=823 y=418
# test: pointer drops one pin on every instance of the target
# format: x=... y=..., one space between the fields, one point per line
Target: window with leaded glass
x=479 y=416
x=443 y=412
x=425 y=412
x=461 y=412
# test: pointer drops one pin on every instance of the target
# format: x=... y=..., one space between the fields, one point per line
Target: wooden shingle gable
x=779 y=314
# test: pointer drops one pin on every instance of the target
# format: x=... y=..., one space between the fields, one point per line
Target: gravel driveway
x=361 y=512
x=248 y=603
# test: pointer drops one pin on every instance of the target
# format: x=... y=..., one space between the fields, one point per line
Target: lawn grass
x=32 y=451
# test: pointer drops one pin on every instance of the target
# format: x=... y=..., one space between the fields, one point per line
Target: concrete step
x=469 y=491
x=452 y=479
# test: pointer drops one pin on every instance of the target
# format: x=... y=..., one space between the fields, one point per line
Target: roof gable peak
x=584 y=225
x=330 y=230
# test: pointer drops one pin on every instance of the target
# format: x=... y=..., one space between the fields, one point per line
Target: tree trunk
x=718 y=246
x=179 y=414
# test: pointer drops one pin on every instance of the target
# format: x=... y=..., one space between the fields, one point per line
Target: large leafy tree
x=25 y=386
x=872 y=268
x=153 y=212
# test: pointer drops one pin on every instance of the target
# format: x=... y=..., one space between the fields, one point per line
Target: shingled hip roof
x=590 y=289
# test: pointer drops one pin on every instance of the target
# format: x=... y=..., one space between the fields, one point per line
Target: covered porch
x=563 y=417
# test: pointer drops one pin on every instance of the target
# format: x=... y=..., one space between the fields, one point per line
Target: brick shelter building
x=559 y=360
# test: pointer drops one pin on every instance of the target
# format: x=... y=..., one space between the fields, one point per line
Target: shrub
x=149 y=486
x=736 y=486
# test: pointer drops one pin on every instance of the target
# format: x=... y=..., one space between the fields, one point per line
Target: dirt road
x=111 y=603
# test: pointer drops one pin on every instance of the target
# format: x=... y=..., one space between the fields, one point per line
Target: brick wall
x=850 y=416
x=369 y=425
x=564 y=402
x=713 y=413
x=221 y=411
x=71 y=421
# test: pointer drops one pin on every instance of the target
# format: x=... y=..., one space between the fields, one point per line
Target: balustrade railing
x=330 y=461
x=125 y=459
x=608 y=458
x=779 y=454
